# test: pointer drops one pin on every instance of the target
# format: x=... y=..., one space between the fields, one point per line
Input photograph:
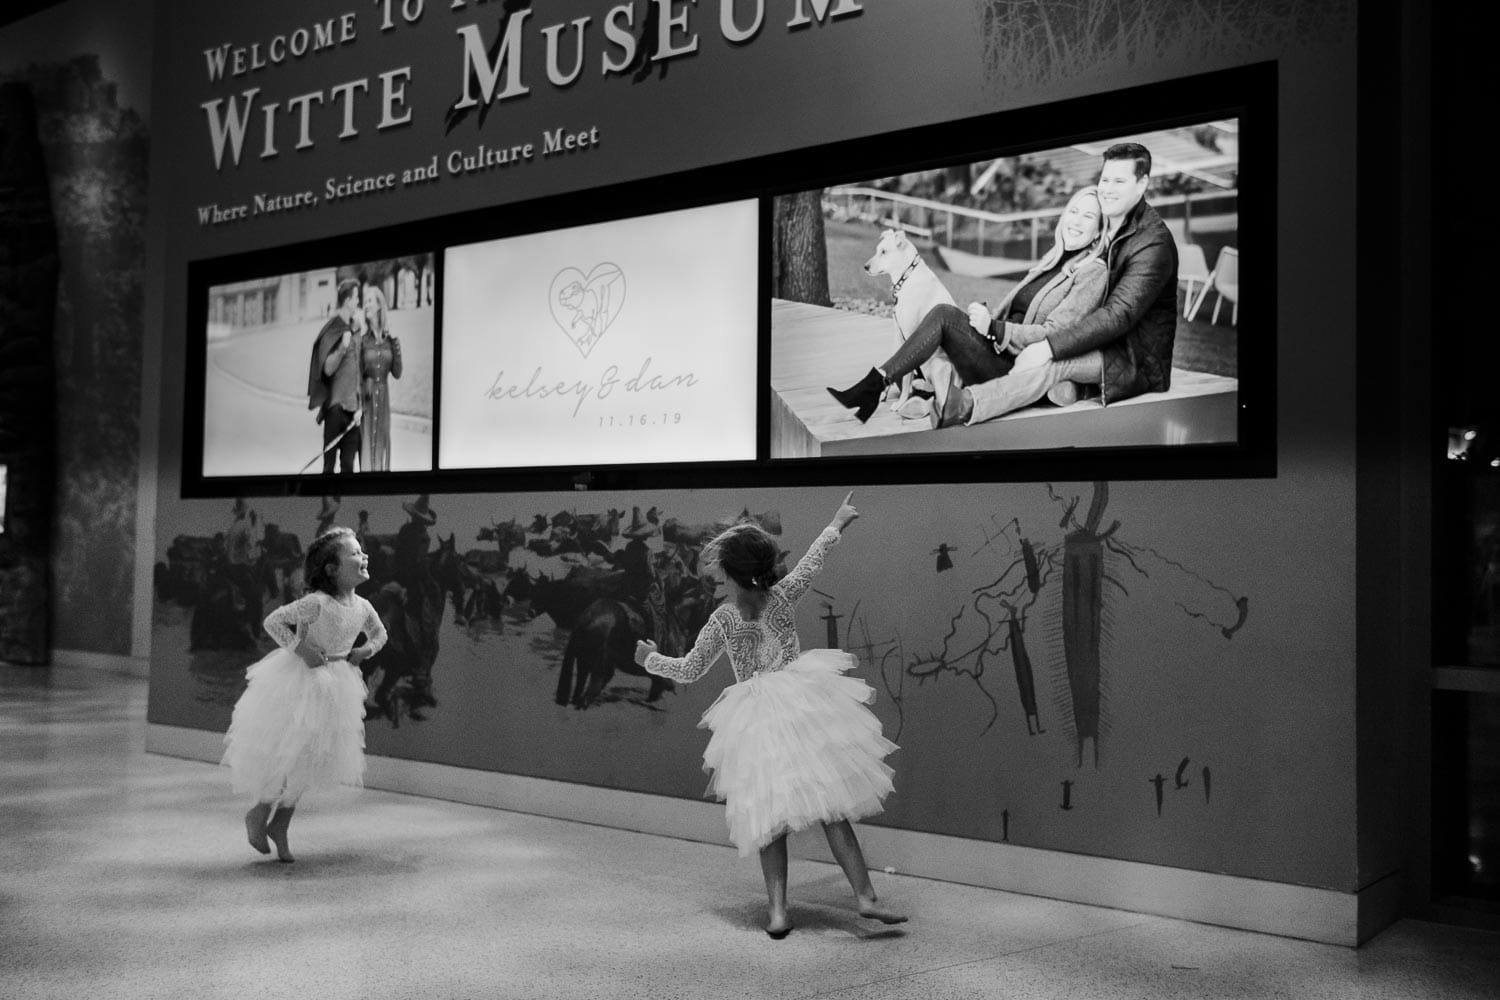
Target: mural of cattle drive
x=1031 y=648
x=583 y=587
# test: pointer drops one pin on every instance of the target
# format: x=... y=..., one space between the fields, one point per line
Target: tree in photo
x=799 y=253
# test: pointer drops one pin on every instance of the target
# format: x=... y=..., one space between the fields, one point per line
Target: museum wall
x=1159 y=670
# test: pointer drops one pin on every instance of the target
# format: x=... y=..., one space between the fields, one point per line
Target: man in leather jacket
x=1124 y=346
x=333 y=382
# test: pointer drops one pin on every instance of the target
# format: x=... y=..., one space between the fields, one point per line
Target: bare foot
x=779 y=926
x=874 y=911
x=276 y=831
x=255 y=826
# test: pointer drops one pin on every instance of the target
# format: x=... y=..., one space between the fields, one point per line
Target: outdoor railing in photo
x=954 y=228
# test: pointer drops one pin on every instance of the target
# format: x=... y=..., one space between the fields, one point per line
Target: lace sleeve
x=375 y=634
x=281 y=624
x=795 y=584
x=709 y=644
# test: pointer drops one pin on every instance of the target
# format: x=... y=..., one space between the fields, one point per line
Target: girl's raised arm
x=795 y=583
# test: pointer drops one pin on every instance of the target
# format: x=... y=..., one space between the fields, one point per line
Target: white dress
x=793 y=742
x=298 y=728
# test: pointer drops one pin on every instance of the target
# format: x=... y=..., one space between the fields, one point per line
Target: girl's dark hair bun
x=747 y=555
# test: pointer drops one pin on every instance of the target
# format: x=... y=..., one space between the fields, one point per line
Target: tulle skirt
x=795 y=747
x=296 y=728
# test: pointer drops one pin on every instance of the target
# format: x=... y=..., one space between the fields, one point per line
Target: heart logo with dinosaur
x=584 y=306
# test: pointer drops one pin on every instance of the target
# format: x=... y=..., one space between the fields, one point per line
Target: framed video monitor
x=629 y=342
x=1078 y=290
x=1084 y=288
x=310 y=362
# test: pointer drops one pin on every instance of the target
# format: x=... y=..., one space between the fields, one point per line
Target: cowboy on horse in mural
x=410 y=602
x=242 y=549
x=602 y=640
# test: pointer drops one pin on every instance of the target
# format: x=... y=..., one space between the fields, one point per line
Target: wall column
x=28 y=298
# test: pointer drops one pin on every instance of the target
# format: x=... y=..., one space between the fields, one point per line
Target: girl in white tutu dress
x=793 y=742
x=300 y=723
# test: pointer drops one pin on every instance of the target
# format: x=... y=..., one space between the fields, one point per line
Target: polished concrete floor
x=124 y=874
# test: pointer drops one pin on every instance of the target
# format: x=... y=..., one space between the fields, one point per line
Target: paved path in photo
x=254 y=433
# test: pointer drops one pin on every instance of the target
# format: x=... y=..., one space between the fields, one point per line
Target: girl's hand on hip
x=311 y=655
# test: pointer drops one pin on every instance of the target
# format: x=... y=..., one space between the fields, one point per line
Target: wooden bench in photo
x=813 y=347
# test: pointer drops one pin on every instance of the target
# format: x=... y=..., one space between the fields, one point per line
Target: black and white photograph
x=323 y=371
x=698 y=499
x=1080 y=296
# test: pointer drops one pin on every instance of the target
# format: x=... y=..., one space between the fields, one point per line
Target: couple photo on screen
x=1104 y=314
x=1097 y=314
x=349 y=346
x=353 y=361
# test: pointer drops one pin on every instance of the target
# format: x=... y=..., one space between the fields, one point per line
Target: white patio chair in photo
x=1225 y=280
x=1192 y=269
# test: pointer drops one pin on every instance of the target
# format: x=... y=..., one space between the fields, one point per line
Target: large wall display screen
x=1084 y=289
x=626 y=342
x=961 y=279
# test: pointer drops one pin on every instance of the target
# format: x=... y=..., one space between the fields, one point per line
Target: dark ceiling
x=15 y=10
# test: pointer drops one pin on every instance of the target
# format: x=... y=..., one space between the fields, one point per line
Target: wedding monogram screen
x=625 y=342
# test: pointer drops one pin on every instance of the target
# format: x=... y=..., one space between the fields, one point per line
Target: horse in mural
x=660 y=595
x=229 y=598
x=602 y=640
x=564 y=600
x=181 y=576
x=411 y=604
x=484 y=603
x=486 y=599
x=224 y=604
x=279 y=568
x=602 y=643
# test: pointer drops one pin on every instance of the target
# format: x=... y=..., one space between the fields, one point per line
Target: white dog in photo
x=916 y=289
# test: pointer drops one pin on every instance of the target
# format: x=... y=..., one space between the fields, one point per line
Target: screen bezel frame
x=1247 y=93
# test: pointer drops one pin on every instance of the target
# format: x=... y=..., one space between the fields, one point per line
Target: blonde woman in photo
x=1067 y=283
x=380 y=361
